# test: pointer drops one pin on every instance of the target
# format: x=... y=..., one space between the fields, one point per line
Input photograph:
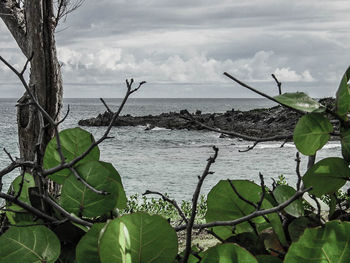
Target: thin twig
x=171 y=201
x=190 y=223
x=9 y=155
x=260 y=93
x=297 y=170
x=104 y=136
x=69 y=216
x=240 y=196
x=105 y=104
x=279 y=84
x=79 y=178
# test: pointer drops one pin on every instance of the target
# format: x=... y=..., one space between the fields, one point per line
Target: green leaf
x=342 y=100
x=300 y=101
x=297 y=227
x=22 y=216
x=322 y=245
x=327 y=176
x=311 y=133
x=138 y=237
x=284 y=192
x=345 y=143
x=223 y=204
x=87 y=248
x=79 y=199
x=227 y=253
x=74 y=142
x=114 y=175
x=268 y=259
x=29 y=244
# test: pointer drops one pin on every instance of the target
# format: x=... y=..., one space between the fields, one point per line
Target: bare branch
x=27 y=207
x=260 y=93
x=104 y=103
x=65 y=213
x=171 y=201
x=104 y=136
x=297 y=170
x=279 y=84
x=76 y=174
x=190 y=223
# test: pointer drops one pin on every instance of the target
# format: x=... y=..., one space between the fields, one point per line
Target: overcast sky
x=181 y=48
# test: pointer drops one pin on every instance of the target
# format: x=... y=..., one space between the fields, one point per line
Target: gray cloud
x=182 y=47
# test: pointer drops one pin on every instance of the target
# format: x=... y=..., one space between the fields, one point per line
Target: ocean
x=170 y=161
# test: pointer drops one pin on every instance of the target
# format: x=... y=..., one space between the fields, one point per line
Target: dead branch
x=190 y=224
x=171 y=201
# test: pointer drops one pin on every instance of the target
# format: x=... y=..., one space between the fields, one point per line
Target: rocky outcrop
x=259 y=122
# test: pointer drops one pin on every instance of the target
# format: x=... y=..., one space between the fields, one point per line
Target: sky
x=181 y=48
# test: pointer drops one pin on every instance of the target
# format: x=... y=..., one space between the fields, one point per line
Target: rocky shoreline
x=268 y=122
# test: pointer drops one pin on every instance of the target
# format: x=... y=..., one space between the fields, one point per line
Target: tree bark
x=33 y=27
x=45 y=78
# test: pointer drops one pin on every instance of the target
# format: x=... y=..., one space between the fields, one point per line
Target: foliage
x=93 y=221
x=154 y=206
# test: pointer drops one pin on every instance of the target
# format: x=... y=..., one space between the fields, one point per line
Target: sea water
x=170 y=161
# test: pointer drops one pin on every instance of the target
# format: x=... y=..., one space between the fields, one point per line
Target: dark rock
x=256 y=123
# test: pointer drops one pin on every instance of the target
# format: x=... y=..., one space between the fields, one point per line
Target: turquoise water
x=170 y=161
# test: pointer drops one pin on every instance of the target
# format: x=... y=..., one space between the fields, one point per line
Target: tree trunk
x=45 y=78
x=33 y=26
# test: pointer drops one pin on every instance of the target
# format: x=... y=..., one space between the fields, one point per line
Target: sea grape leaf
x=345 y=143
x=300 y=101
x=138 y=237
x=29 y=244
x=74 y=142
x=79 y=199
x=227 y=253
x=322 y=245
x=21 y=216
x=223 y=204
x=284 y=192
x=297 y=227
x=114 y=175
x=342 y=98
x=268 y=259
x=311 y=133
x=327 y=176
x=87 y=248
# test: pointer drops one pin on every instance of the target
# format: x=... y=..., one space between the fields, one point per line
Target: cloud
x=168 y=42
x=286 y=74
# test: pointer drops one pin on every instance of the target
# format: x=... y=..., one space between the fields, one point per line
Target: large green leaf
x=29 y=244
x=327 y=176
x=297 y=227
x=223 y=204
x=311 y=133
x=74 y=142
x=138 y=238
x=300 y=101
x=268 y=259
x=87 y=248
x=345 y=143
x=284 y=192
x=114 y=175
x=326 y=244
x=227 y=253
x=342 y=100
x=21 y=216
x=80 y=200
